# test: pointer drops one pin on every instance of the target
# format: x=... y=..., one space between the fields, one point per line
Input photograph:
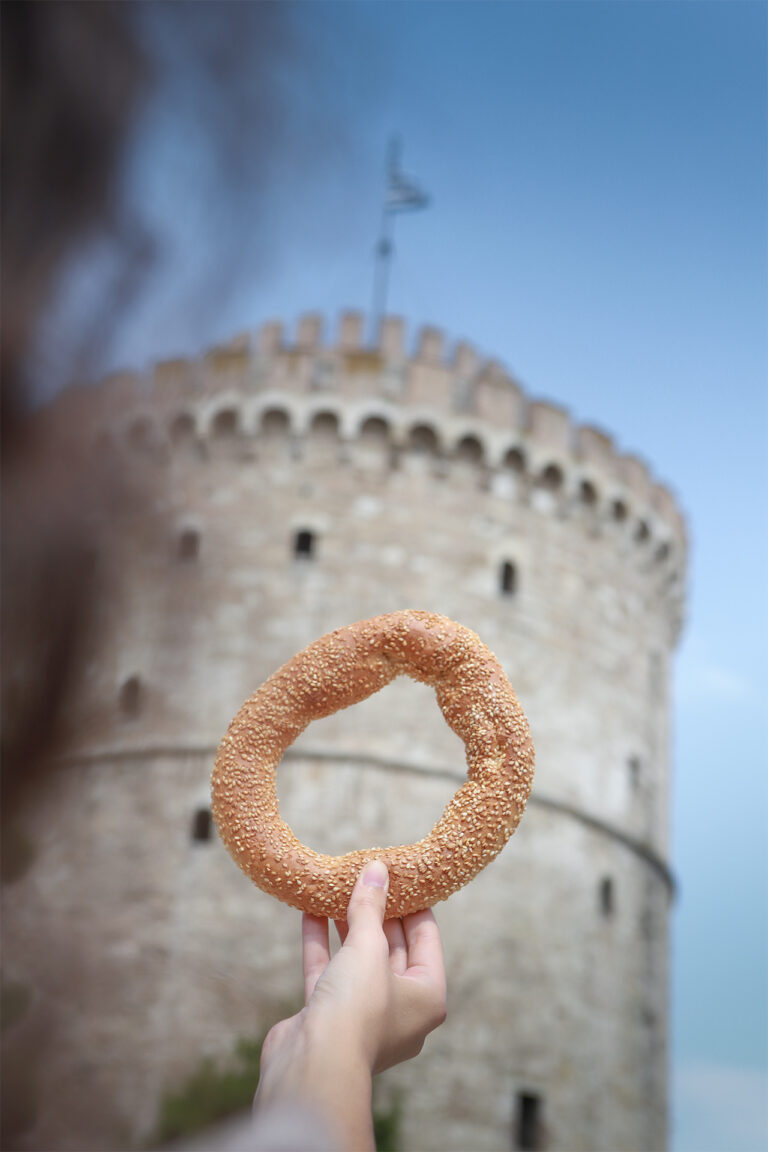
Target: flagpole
x=401 y=195
x=384 y=247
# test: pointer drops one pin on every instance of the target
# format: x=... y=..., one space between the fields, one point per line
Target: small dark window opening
x=588 y=493
x=606 y=897
x=202 y=825
x=304 y=544
x=528 y=1122
x=189 y=544
x=662 y=552
x=634 y=772
x=642 y=533
x=130 y=697
x=619 y=511
x=508 y=579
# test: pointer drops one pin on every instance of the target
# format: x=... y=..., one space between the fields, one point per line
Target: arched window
x=515 y=460
x=182 y=428
x=140 y=433
x=633 y=765
x=225 y=423
x=131 y=693
x=423 y=438
x=470 y=450
x=375 y=428
x=551 y=478
x=642 y=532
x=619 y=511
x=606 y=897
x=275 y=422
x=507 y=578
x=304 y=544
x=188 y=544
x=588 y=493
x=527 y=1137
x=202 y=825
x=325 y=423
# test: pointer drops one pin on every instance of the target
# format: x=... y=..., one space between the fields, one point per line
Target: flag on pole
x=403 y=194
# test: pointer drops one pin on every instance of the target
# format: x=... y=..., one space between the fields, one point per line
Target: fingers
x=368 y=900
x=425 y=948
x=316 y=952
x=342 y=928
x=398 y=954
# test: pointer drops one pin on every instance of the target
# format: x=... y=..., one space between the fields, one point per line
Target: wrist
x=327 y=1071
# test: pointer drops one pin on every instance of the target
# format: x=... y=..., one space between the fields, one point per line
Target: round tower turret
x=292 y=486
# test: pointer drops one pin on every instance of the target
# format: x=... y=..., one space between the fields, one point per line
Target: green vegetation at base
x=213 y=1092
x=386 y=1125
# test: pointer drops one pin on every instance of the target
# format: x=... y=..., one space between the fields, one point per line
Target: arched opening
x=423 y=439
x=606 y=897
x=507 y=578
x=224 y=425
x=202 y=825
x=515 y=460
x=275 y=422
x=551 y=478
x=131 y=697
x=588 y=493
x=633 y=765
x=304 y=544
x=375 y=428
x=619 y=511
x=528 y=1125
x=662 y=552
x=470 y=450
x=325 y=424
x=188 y=545
x=140 y=434
x=182 y=429
x=642 y=532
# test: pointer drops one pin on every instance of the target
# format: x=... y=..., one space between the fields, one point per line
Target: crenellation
x=429 y=383
x=596 y=447
x=549 y=429
x=430 y=344
x=269 y=339
x=443 y=387
x=351 y=327
x=498 y=398
x=309 y=333
x=391 y=339
x=637 y=478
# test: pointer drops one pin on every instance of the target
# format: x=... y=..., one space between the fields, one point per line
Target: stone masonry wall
x=296 y=487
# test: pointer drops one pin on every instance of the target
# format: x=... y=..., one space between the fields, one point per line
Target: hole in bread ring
x=341 y=669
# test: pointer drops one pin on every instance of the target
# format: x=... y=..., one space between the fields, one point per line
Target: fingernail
x=375 y=874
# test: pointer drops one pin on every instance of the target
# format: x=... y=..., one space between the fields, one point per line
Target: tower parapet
x=450 y=404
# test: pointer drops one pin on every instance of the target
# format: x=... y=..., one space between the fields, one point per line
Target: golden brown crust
x=340 y=669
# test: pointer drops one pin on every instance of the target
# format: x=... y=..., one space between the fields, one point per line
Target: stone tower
x=295 y=486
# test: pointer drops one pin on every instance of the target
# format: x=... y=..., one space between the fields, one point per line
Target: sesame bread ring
x=340 y=669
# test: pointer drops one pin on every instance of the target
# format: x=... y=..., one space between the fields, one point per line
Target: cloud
x=720 y=1108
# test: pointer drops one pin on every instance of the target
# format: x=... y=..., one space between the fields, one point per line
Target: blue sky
x=598 y=174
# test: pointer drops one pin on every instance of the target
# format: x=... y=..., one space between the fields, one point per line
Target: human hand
x=368 y=1008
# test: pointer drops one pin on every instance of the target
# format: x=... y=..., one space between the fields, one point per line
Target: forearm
x=329 y=1077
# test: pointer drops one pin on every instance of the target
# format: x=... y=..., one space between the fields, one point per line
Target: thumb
x=369 y=897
